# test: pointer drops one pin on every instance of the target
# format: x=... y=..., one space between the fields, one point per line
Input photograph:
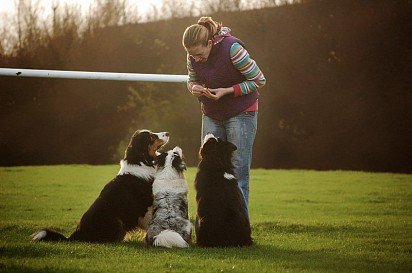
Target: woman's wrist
x=229 y=90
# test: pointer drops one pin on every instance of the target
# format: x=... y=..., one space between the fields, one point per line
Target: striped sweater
x=242 y=62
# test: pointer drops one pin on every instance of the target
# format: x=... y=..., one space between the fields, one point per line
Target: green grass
x=302 y=221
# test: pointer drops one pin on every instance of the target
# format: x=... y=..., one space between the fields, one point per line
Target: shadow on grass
x=30 y=250
x=267 y=256
x=323 y=259
x=316 y=257
x=23 y=268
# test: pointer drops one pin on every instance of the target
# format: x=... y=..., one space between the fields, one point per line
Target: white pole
x=13 y=72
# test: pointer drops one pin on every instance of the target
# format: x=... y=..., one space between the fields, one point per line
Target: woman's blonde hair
x=200 y=33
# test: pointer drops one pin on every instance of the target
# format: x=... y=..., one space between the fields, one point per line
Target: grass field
x=302 y=221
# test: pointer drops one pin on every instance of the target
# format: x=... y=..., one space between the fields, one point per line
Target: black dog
x=125 y=202
x=220 y=220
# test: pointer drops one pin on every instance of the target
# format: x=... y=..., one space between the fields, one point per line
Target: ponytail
x=200 y=33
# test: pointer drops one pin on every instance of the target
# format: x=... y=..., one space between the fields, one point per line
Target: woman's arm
x=248 y=67
x=193 y=85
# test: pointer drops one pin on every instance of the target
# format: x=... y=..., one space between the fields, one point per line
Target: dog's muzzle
x=164 y=136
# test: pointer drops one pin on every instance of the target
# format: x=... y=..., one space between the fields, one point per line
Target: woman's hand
x=197 y=90
x=217 y=93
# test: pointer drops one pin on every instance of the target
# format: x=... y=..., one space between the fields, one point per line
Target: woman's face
x=200 y=53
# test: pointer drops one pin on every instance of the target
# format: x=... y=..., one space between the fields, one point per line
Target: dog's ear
x=140 y=141
x=178 y=150
x=137 y=150
x=179 y=164
x=231 y=147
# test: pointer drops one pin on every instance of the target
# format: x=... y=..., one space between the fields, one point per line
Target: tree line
x=337 y=93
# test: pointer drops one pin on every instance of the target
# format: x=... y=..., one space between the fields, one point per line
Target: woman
x=225 y=80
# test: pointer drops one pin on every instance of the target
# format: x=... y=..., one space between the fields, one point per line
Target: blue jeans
x=241 y=131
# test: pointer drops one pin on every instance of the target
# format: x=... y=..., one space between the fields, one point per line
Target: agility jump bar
x=88 y=75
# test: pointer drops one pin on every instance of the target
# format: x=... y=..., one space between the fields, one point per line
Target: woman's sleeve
x=248 y=67
x=193 y=80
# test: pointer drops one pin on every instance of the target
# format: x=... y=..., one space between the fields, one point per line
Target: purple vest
x=218 y=72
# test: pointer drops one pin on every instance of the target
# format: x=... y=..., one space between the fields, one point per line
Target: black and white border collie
x=220 y=219
x=170 y=226
x=125 y=202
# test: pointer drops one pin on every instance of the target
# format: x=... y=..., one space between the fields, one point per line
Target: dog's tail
x=48 y=235
x=169 y=238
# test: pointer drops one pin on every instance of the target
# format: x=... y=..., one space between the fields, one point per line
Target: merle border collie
x=125 y=202
x=220 y=219
x=170 y=226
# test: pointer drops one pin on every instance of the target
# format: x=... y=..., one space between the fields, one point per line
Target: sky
x=8 y=7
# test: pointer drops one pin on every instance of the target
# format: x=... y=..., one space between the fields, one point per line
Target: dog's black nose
x=167 y=134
